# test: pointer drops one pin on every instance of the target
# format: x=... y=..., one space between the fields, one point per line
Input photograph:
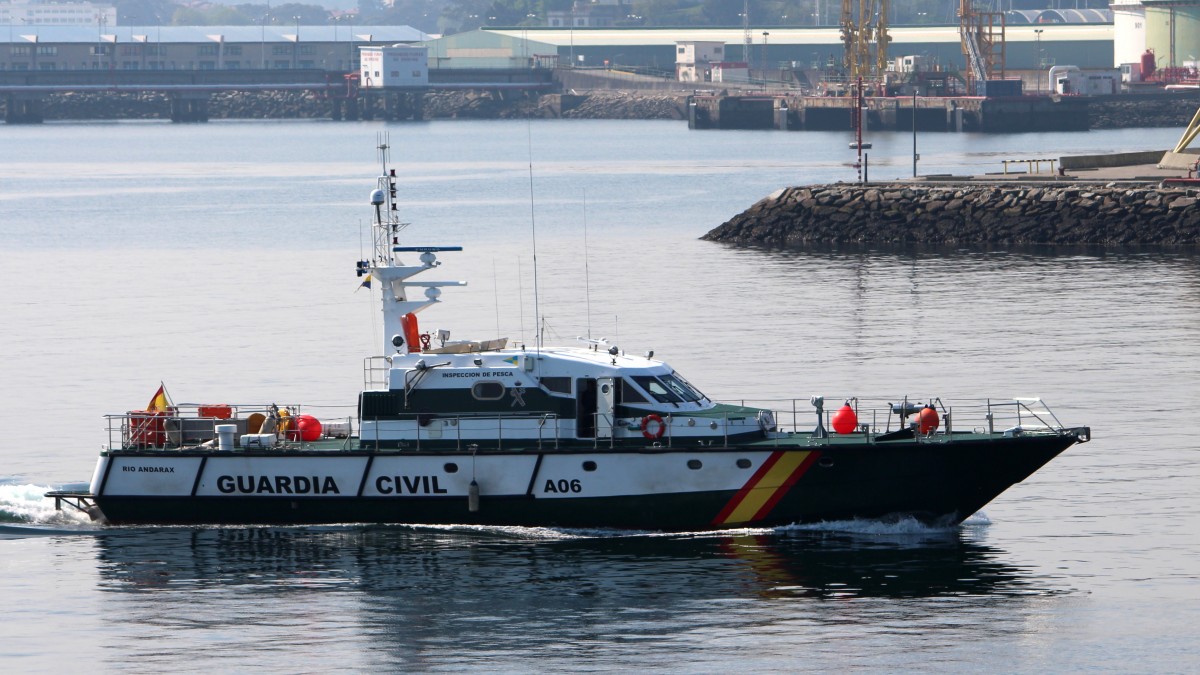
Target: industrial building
x=1029 y=46
x=333 y=48
x=487 y=49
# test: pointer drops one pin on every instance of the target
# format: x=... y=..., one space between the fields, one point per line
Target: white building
x=590 y=14
x=396 y=66
x=694 y=60
x=57 y=14
x=1129 y=31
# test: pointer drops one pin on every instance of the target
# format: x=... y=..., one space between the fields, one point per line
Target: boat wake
x=26 y=504
x=561 y=533
x=890 y=527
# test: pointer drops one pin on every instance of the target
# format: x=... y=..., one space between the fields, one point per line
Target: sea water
x=218 y=259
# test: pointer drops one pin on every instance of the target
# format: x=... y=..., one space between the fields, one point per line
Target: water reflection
x=472 y=566
x=432 y=598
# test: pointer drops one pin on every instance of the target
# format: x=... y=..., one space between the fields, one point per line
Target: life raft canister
x=412 y=334
x=658 y=431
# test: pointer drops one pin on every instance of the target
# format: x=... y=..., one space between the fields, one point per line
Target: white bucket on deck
x=225 y=433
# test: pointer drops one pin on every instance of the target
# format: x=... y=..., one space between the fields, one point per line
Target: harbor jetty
x=969 y=213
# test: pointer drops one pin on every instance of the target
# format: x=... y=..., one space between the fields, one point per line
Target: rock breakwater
x=1134 y=112
x=968 y=214
x=473 y=104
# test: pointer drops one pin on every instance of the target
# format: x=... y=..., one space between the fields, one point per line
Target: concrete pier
x=1017 y=113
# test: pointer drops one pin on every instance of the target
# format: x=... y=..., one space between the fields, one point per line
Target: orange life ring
x=657 y=434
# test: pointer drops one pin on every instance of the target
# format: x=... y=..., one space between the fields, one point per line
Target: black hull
x=942 y=483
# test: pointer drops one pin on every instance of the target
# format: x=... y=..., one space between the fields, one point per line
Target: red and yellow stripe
x=766 y=487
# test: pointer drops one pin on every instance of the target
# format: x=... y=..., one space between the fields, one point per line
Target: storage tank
x=1147 y=64
x=1173 y=30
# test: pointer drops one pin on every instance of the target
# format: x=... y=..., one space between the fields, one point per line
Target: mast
x=386 y=268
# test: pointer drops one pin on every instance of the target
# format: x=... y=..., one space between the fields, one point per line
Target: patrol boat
x=488 y=432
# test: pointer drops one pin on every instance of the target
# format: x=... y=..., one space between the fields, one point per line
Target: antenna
x=521 y=296
x=533 y=229
x=496 y=296
x=387 y=223
x=587 y=279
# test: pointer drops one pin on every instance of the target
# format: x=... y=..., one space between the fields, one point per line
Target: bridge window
x=630 y=394
x=558 y=385
x=233 y=50
x=488 y=391
x=280 y=49
x=681 y=388
x=656 y=389
x=47 y=50
x=206 y=50
x=306 y=49
x=18 y=50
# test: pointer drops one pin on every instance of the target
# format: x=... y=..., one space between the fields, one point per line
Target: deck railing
x=879 y=416
x=191 y=425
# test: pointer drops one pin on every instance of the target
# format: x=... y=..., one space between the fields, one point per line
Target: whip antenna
x=537 y=313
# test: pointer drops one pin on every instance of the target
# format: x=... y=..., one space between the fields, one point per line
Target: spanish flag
x=160 y=401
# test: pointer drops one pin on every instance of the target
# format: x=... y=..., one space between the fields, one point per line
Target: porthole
x=450 y=467
x=826 y=462
x=488 y=391
x=743 y=463
x=694 y=464
x=589 y=465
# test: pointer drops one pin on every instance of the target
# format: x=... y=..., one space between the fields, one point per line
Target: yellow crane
x=862 y=30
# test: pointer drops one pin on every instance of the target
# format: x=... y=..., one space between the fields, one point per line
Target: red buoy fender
x=927 y=420
x=658 y=431
x=308 y=427
x=845 y=420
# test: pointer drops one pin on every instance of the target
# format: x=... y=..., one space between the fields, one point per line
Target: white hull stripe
x=540 y=476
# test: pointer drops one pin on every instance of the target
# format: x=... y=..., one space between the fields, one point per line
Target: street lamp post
x=764 y=54
x=296 y=45
x=914 y=116
x=1037 y=33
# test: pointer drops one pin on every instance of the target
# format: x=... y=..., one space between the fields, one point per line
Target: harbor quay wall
x=968 y=214
x=762 y=112
x=474 y=104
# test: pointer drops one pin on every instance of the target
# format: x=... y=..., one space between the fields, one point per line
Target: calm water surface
x=218 y=258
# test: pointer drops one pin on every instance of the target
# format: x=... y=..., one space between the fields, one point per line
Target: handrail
x=965 y=416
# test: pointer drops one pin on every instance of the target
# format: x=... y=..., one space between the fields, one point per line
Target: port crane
x=860 y=31
x=982 y=37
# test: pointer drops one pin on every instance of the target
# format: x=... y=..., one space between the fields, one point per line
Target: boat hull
x=760 y=485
